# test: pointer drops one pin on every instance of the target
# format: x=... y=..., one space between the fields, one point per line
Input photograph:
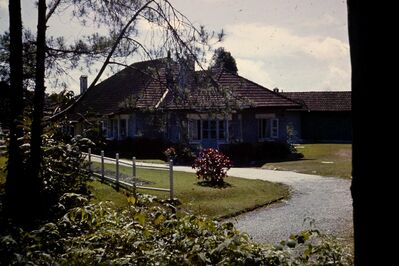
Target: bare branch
x=53 y=6
x=117 y=41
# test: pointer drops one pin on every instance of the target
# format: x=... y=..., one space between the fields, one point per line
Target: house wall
x=249 y=127
x=285 y=119
x=243 y=127
x=150 y=126
x=173 y=127
x=327 y=127
x=291 y=122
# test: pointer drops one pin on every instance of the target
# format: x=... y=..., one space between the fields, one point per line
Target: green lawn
x=242 y=195
x=103 y=192
x=321 y=159
x=3 y=161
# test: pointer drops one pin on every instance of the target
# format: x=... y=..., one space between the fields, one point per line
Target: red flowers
x=170 y=153
x=212 y=166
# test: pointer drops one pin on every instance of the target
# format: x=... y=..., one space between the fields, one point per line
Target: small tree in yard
x=212 y=166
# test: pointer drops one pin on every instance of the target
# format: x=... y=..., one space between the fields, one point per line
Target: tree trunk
x=373 y=184
x=38 y=101
x=15 y=182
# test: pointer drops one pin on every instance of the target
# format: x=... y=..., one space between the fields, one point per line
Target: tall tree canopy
x=223 y=59
x=128 y=31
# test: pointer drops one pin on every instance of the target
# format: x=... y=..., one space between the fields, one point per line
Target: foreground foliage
x=148 y=232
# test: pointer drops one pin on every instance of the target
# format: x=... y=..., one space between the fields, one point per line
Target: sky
x=293 y=45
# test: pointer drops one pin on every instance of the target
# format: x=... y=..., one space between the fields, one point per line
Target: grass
x=321 y=159
x=3 y=161
x=242 y=194
x=156 y=161
x=103 y=192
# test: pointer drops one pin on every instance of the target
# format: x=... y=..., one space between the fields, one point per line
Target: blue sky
x=295 y=45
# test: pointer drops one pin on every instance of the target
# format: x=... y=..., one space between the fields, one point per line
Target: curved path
x=326 y=201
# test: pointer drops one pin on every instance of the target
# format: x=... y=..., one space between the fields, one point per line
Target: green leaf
x=139 y=217
x=159 y=218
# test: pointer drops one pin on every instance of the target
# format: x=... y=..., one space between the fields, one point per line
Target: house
x=325 y=115
x=169 y=100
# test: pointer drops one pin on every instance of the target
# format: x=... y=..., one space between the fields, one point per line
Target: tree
x=17 y=184
x=373 y=225
x=223 y=59
x=173 y=32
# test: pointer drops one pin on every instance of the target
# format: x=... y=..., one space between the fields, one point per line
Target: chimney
x=275 y=89
x=83 y=84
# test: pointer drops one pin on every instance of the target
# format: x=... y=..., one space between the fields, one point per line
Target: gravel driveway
x=324 y=200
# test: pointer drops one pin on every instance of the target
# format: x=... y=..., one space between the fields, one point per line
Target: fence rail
x=120 y=183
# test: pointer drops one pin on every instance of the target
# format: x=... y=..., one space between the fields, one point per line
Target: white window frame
x=261 y=122
x=208 y=120
x=272 y=132
x=272 y=127
x=191 y=129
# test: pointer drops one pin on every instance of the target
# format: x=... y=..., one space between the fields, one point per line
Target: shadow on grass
x=213 y=185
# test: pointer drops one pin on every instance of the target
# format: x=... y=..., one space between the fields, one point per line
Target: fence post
x=102 y=166
x=89 y=153
x=171 y=178
x=134 y=166
x=134 y=176
x=117 y=170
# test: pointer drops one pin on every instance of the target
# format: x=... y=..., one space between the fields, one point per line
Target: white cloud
x=254 y=40
x=3 y=4
x=326 y=20
x=336 y=79
x=256 y=71
x=277 y=57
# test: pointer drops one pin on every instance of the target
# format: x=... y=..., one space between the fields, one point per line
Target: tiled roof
x=232 y=90
x=323 y=100
x=146 y=84
x=134 y=82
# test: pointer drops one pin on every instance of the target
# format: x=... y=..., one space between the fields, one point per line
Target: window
x=267 y=128
x=221 y=130
x=205 y=129
x=122 y=128
x=114 y=128
x=212 y=129
x=194 y=129
x=274 y=133
x=263 y=129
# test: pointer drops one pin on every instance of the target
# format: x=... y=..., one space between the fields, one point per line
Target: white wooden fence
x=129 y=186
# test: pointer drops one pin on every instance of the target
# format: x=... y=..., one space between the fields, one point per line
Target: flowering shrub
x=170 y=153
x=212 y=166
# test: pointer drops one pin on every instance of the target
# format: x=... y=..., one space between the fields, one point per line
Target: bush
x=140 y=147
x=170 y=153
x=150 y=234
x=212 y=166
x=64 y=169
